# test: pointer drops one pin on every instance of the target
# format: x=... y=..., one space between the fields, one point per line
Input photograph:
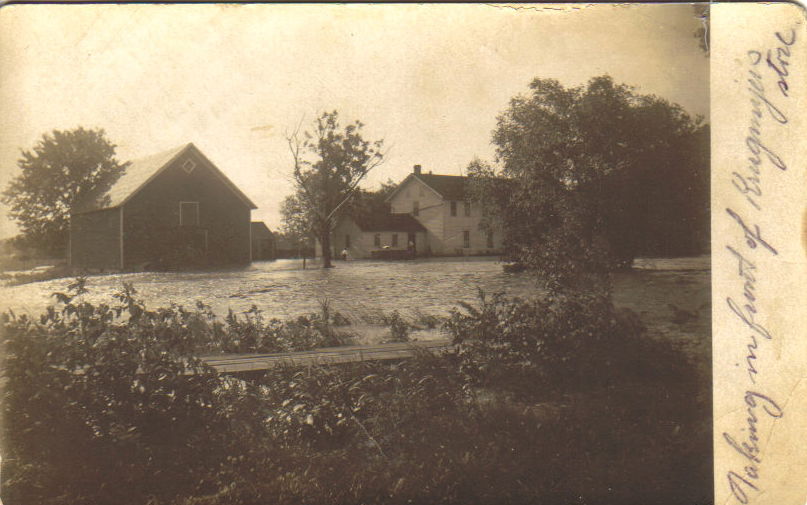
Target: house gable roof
x=389 y=222
x=143 y=170
x=449 y=187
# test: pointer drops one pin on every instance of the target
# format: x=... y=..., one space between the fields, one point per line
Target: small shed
x=174 y=209
x=263 y=242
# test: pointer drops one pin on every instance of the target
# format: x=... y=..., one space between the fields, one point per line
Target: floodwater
x=671 y=295
x=283 y=289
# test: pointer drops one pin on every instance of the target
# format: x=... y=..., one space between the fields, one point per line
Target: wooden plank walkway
x=236 y=363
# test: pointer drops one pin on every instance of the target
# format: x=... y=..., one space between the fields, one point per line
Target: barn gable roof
x=143 y=170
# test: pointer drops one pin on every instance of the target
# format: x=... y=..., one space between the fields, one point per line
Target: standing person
x=344 y=254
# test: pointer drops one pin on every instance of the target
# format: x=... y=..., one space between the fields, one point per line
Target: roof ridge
x=163 y=152
x=141 y=171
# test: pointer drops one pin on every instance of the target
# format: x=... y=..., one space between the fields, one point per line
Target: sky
x=235 y=80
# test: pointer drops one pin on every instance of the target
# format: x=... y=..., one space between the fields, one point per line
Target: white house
x=391 y=236
x=430 y=215
x=451 y=220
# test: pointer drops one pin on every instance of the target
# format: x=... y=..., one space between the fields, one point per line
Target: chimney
x=417 y=170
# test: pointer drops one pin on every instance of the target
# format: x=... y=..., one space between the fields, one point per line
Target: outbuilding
x=174 y=209
x=263 y=242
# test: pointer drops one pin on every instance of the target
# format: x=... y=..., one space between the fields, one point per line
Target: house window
x=453 y=209
x=394 y=240
x=490 y=239
x=188 y=213
x=415 y=208
x=467 y=209
x=377 y=240
x=188 y=166
x=347 y=241
x=466 y=239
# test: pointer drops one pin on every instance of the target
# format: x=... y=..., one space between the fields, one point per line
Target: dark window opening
x=415 y=208
x=189 y=213
x=467 y=209
x=394 y=240
x=466 y=239
x=453 y=209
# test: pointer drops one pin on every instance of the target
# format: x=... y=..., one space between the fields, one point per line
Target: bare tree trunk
x=325 y=241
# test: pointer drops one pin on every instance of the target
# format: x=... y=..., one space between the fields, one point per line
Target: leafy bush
x=98 y=411
x=412 y=433
x=106 y=404
x=253 y=333
x=630 y=403
x=534 y=346
x=399 y=328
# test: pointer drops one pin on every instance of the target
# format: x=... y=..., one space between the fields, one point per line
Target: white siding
x=430 y=216
x=444 y=231
x=454 y=227
x=362 y=243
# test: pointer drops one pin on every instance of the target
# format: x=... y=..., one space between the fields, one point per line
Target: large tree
x=61 y=170
x=366 y=202
x=329 y=164
x=593 y=176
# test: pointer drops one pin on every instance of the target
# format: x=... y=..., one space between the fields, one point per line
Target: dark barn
x=263 y=242
x=170 y=210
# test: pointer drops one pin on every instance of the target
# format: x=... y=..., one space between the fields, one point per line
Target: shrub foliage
x=107 y=404
x=560 y=340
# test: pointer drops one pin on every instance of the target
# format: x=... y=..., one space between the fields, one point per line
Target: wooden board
x=235 y=363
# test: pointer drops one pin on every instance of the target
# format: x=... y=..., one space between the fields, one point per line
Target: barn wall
x=152 y=232
x=95 y=240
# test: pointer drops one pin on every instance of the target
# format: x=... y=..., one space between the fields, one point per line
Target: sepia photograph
x=356 y=254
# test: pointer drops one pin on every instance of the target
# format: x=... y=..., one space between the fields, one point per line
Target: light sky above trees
x=430 y=80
